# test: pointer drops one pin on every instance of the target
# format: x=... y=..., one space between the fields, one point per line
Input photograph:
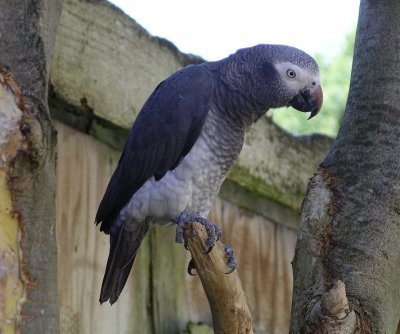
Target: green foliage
x=335 y=80
x=198 y=329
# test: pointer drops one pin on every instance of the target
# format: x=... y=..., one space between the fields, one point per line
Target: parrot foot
x=214 y=231
x=231 y=262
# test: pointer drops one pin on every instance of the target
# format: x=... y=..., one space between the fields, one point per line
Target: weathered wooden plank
x=168 y=261
x=84 y=167
x=277 y=165
x=100 y=49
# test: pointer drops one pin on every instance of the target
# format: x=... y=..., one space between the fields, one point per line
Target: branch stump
x=224 y=292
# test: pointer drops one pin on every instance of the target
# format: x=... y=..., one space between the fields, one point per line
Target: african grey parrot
x=186 y=137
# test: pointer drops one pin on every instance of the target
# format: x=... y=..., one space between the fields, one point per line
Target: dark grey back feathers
x=163 y=133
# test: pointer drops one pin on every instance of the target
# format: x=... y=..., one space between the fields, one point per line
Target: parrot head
x=304 y=85
x=280 y=76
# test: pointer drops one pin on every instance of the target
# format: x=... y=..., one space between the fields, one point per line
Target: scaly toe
x=214 y=231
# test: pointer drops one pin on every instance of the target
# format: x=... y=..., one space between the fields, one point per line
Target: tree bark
x=224 y=291
x=350 y=224
x=28 y=271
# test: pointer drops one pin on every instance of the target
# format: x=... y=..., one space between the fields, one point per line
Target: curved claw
x=209 y=249
x=191 y=266
x=230 y=271
x=231 y=259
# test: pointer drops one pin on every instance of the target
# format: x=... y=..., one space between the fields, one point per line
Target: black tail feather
x=123 y=248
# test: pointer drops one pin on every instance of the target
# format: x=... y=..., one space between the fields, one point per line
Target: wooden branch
x=225 y=295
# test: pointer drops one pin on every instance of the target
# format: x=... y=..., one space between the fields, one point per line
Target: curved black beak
x=308 y=100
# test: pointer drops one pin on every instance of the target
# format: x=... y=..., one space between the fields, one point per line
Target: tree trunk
x=350 y=225
x=28 y=268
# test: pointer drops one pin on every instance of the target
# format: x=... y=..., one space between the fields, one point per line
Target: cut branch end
x=331 y=312
x=334 y=303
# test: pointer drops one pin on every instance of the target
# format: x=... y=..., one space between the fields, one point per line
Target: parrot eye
x=290 y=73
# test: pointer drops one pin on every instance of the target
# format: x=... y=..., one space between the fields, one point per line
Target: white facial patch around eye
x=294 y=76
